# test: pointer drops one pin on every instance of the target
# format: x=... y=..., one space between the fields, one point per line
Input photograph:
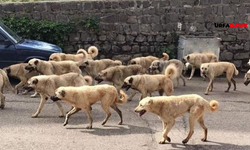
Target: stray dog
x=4 y=82
x=159 y=67
x=18 y=71
x=145 y=62
x=73 y=57
x=147 y=84
x=93 y=67
x=53 y=67
x=117 y=74
x=84 y=97
x=46 y=85
x=212 y=70
x=168 y=108
x=247 y=78
x=92 y=52
x=196 y=59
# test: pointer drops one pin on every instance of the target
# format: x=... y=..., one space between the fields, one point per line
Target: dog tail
x=7 y=81
x=213 y=106
x=88 y=79
x=84 y=53
x=165 y=56
x=171 y=71
x=123 y=99
x=117 y=62
x=236 y=72
x=93 y=51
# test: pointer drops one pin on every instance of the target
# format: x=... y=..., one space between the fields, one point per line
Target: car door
x=8 y=52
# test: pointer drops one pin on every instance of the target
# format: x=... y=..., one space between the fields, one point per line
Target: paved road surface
x=229 y=128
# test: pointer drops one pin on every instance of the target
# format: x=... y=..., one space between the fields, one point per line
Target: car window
x=2 y=38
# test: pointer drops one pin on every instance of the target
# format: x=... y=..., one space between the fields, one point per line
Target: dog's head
x=144 y=106
x=204 y=68
x=128 y=82
x=59 y=94
x=247 y=78
x=32 y=64
x=54 y=57
x=102 y=76
x=186 y=59
x=31 y=84
x=155 y=66
x=85 y=64
x=7 y=70
x=134 y=61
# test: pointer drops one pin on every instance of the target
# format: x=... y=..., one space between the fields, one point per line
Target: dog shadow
x=216 y=145
x=116 y=130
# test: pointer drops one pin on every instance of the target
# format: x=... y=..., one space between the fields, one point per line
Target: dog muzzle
x=140 y=113
x=246 y=83
x=54 y=98
x=28 y=88
x=127 y=86
x=99 y=80
x=29 y=68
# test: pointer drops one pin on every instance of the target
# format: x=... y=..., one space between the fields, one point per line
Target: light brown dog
x=53 y=67
x=247 y=78
x=145 y=62
x=46 y=85
x=212 y=70
x=83 y=56
x=84 y=97
x=159 y=67
x=92 y=52
x=93 y=67
x=168 y=108
x=4 y=82
x=147 y=84
x=196 y=59
x=117 y=74
x=18 y=71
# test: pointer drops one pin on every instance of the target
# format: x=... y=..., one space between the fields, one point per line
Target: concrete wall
x=131 y=28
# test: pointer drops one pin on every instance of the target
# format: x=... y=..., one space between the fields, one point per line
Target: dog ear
x=63 y=93
x=188 y=57
x=8 y=70
x=35 y=81
x=105 y=74
x=150 y=102
x=86 y=63
x=130 y=80
x=36 y=62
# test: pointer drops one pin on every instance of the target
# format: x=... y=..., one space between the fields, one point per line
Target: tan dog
x=212 y=70
x=147 y=84
x=168 y=108
x=83 y=56
x=117 y=74
x=159 y=67
x=145 y=62
x=4 y=82
x=18 y=71
x=84 y=97
x=247 y=78
x=46 y=85
x=196 y=59
x=93 y=67
x=92 y=52
x=53 y=67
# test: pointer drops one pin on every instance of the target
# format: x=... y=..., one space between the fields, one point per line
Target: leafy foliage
x=171 y=49
x=91 y=24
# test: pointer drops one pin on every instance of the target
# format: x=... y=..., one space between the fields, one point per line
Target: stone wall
x=131 y=28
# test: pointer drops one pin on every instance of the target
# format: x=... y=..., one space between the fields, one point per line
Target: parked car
x=14 y=49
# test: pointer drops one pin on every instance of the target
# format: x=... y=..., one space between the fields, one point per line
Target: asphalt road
x=228 y=128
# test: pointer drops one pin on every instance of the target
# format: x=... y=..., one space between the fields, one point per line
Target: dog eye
x=202 y=68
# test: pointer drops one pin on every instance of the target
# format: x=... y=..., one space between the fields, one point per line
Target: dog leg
x=132 y=95
x=208 y=87
x=20 y=84
x=183 y=79
x=192 y=73
x=143 y=95
x=108 y=114
x=169 y=124
x=60 y=108
x=34 y=95
x=191 y=129
x=2 y=99
x=114 y=106
x=177 y=79
x=161 y=91
x=201 y=122
x=234 y=83
x=70 y=113
x=164 y=127
x=88 y=112
x=211 y=87
x=203 y=77
x=229 y=85
x=42 y=102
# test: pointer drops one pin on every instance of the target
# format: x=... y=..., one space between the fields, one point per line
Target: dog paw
x=162 y=142
x=168 y=139
x=203 y=140
x=61 y=116
x=184 y=141
x=227 y=91
x=206 y=93
x=32 y=96
x=89 y=127
x=189 y=78
x=120 y=123
x=65 y=123
x=34 y=116
x=103 y=123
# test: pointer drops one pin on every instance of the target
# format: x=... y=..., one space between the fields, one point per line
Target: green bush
x=48 y=31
